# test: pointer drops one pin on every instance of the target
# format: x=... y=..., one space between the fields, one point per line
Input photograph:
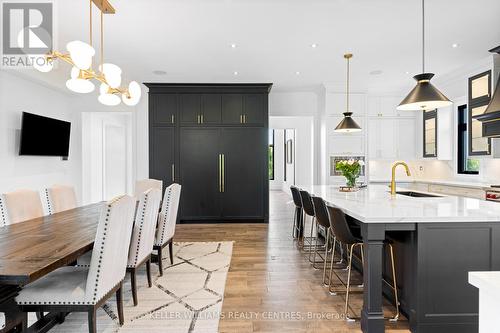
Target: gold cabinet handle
x=241 y=119
x=220 y=173
x=172 y=119
x=173 y=173
x=223 y=180
x=198 y=116
x=244 y=119
x=201 y=118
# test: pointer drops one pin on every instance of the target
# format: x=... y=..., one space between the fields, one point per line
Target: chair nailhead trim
x=47 y=196
x=167 y=207
x=2 y=212
x=141 y=225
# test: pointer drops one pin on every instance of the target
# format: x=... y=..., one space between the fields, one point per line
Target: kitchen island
x=437 y=240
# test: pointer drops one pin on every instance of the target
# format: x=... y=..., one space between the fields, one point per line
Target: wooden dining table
x=31 y=249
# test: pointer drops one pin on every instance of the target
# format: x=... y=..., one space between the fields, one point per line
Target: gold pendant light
x=424 y=96
x=347 y=125
x=80 y=57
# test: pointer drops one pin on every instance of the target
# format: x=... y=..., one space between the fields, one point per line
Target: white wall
x=18 y=94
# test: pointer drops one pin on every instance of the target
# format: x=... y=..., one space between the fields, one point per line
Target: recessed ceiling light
x=235 y=73
x=455 y=45
x=407 y=73
x=376 y=72
x=314 y=45
x=234 y=46
x=297 y=73
x=159 y=72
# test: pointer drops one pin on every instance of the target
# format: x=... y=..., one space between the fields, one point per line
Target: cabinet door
x=232 y=109
x=253 y=109
x=405 y=138
x=381 y=139
x=211 y=108
x=199 y=173
x=163 y=109
x=162 y=154
x=245 y=152
x=190 y=108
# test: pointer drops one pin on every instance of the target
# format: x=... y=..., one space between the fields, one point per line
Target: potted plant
x=350 y=169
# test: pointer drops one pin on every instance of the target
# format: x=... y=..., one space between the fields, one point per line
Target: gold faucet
x=393 y=180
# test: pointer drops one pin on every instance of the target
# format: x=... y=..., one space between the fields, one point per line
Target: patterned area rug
x=187 y=298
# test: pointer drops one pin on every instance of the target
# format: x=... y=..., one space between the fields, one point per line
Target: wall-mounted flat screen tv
x=43 y=136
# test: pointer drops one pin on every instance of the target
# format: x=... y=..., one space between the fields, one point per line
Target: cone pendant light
x=347 y=125
x=424 y=96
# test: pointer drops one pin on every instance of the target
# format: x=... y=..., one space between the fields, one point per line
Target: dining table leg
x=372 y=316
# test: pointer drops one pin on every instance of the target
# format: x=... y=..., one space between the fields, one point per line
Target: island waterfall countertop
x=376 y=204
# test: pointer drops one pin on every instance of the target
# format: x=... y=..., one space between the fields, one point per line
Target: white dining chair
x=60 y=198
x=21 y=205
x=143 y=185
x=143 y=236
x=166 y=223
x=85 y=289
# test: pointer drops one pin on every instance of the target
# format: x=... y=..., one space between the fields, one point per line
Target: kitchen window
x=466 y=165
x=479 y=98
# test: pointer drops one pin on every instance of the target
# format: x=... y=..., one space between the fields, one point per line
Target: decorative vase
x=350 y=181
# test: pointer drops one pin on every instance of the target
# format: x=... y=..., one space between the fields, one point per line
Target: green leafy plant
x=350 y=169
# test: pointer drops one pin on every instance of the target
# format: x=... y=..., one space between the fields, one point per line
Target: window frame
x=426 y=116
x=474 y=103
x=463 y=140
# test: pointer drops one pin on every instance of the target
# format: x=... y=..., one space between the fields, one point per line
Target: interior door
x=199 y=173
x=162 y=145
x=245 y=166
x=115 y=161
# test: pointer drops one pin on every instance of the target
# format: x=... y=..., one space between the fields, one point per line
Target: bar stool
x=323 y=220
x=308 y=209
x=340 y=227
x=297 y=217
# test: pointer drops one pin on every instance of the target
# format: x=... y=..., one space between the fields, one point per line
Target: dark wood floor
x=271 y=286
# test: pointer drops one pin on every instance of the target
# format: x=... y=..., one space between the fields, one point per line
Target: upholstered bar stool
x=166 y=224
x=297 y=217
x=20 y=206
x=340 y=227
x=85 y=289
x=323 y=220
x=308 y=210
x=60 y=198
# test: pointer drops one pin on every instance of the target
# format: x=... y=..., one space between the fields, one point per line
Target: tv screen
x=43 y=136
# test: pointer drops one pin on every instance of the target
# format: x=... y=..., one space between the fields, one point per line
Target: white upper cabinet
x=391 y=138
x=385 y=106
x=336 y=103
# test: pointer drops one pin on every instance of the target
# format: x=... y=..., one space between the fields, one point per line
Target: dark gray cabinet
x=162 y=154
x=217 y=151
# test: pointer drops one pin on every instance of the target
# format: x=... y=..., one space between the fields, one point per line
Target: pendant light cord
x=423 y=36
x=102 y=42
x=90 y=15
x=347 y=88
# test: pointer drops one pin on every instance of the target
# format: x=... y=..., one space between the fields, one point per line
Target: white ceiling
x=191 y=39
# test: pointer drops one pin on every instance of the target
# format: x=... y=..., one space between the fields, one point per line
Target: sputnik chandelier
x=80 y=56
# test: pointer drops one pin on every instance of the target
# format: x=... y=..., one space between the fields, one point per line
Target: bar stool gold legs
x=394 y=283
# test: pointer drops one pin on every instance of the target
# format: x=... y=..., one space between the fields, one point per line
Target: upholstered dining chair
x=60 y=198
x=85 y=289
x=166 y=224
x=20 y=205
x=143 y=185
x=143 y=236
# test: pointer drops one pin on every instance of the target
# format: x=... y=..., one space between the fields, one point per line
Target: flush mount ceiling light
x=424 y=96
x=347 y=125
x=80 y=56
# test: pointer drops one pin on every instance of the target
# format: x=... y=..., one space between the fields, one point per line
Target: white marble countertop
x=456 y=183
x=375 y=204
x=486 y=280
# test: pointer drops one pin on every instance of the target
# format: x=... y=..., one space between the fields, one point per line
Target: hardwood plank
x=269 y=277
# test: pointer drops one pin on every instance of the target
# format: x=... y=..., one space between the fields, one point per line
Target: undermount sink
x=418 y=194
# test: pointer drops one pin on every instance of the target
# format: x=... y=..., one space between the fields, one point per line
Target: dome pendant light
x=347 y=125
x=424 y=96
